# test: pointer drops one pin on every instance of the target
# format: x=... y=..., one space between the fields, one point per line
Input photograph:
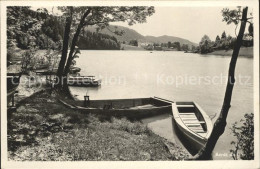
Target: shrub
x=244 y=146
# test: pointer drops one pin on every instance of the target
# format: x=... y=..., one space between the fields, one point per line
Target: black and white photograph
x=145 y=81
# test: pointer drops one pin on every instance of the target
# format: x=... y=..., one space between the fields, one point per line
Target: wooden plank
x=193 y=125
x=196 y=128
x=189 y=118
x=185 y=105
x=194 y=122
x=200 y=131
x=183 y=113
x=187 y=115
x=187 y=112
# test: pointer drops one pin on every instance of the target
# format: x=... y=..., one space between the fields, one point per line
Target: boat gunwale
x=120 y=109
x=128 y=109
x=206 y=119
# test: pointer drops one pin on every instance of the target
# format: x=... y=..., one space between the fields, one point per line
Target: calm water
x=174 y=76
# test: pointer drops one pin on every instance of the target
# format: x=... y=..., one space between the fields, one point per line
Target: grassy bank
x=43 y=129
x=244 y=52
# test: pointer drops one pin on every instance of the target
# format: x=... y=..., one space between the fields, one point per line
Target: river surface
x=171 y=75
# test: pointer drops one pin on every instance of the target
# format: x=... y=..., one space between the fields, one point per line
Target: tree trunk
x=220 y=124
x=72 y=48
x=65 y=87
x=64 y=49
x=74 y=41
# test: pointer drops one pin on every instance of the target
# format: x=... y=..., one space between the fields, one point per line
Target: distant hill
x=130 y=34
x=165 y=39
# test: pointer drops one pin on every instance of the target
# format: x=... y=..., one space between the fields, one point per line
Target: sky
x=190 y=23
x=185 y=22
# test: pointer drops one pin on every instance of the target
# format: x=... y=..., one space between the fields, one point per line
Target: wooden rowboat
x=132 y=108
x=83 y=81
x=193 y=123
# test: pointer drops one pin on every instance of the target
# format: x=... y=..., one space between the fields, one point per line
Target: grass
x=244 y=52
x=42 y=129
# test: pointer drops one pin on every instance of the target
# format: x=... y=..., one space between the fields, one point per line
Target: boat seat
x=191 y=112
x=195 y=125
x=185 y=105
x=187 y=115
x=198 y=127
x=183 y=113
x=195 y=122
x=189 y=118
x=199 y=131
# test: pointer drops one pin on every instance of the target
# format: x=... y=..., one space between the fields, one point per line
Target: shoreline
x=59 y=133
x=243 y=52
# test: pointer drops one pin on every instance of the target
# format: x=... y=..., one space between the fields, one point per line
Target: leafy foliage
x=26 y=28
x=223 y=36
x=232 y=16
x=185 y=47
x=53 y=27
x=133 y=42
x=244 y=146
x=205 y=44
x=28 y=59
x=223 y=43
x=228 y=42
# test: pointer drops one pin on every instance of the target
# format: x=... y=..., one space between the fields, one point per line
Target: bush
x=244 y=146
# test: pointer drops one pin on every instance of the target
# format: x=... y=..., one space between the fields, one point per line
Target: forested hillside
x=27 y=28
x=130 y=34
x=97 y=41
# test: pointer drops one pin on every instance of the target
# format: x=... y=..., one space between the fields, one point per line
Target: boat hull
x=130 y=108
x=83 y=81
x=192 y=140
x=94 y=83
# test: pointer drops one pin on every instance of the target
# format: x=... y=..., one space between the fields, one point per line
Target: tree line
x=224 y=42
x=97 y=41
x=163 y=46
